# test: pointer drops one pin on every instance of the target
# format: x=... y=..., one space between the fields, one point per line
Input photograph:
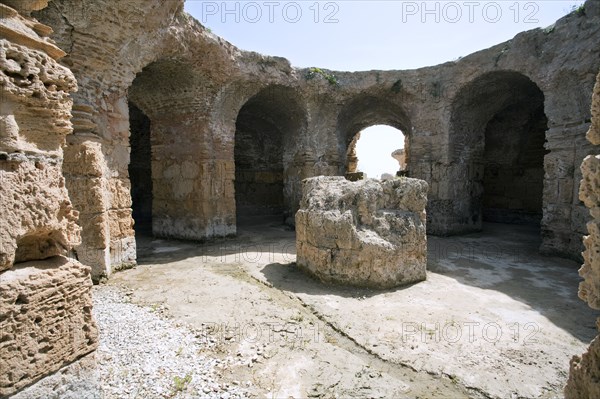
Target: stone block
x=38 y=220
x=366 y=233
x=87 y=194
x=120 y=193
x=84 y=159
x=46 y=320
x=584 y=374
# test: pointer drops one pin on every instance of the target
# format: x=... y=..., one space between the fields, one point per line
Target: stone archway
x=265 y=127
x=497 y=138
x=377 y=141
x=190 y=167
x=366 y=111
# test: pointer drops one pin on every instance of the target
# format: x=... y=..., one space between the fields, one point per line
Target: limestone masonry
x=367 y=233
x=584 y=378
x=206 y=108
x=46 y=319
x=125 y=117
x=45 y=305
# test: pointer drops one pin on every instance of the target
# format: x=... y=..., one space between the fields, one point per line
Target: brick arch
x=365 y=111
x=266 y=126
x=496 y=151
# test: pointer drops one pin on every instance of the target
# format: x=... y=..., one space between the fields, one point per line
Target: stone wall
x=107 y=45
x=38 y=220
x=46 y=321
x=259 y=146
x=192 y=166
x=195 y=87
x=198 y=92
x=45 y=304
x=584 y=377
x=366 y=233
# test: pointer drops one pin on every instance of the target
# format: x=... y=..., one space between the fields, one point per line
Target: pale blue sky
x=365 y=35
x=374 y=150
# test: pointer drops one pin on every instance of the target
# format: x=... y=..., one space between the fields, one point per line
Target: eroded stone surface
x=24 y=30
x=45 y=299
x=593 y=135
x=589 y=289
x=46 y=322
x=38 y=220
x=25 y=6
x=584 y=376
x=589 y=193
x=36 y=107
x=366 y=233
x=198 y=92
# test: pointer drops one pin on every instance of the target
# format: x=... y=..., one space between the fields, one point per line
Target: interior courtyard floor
x=493 y=319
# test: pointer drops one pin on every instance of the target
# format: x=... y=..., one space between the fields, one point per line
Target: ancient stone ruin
x=584 y=379
x=125 y=117
x=400 y=156
x=45 y=297
x=366 y=233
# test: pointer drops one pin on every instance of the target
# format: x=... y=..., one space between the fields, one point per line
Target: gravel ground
x=142 y=354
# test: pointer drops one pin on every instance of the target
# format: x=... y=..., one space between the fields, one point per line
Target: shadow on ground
x=505 y=258
x=502 y=258
x=254 y=243
x=289 y=277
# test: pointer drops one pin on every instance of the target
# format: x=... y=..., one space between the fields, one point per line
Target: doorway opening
x=497 y=140
x=140 y=170
x=265 y=126
x=378 y=151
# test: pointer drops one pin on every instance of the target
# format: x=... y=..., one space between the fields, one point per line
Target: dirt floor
x=494 y=318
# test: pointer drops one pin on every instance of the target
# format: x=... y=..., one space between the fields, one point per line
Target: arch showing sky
x=364 y=35
x=374 y=150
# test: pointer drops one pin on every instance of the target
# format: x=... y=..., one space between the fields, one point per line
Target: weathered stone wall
x=192 y=166
x=366 y=233
x=584 y=377
x=45 y=305
x=444 y=111
x=38 y=220
x=46 y=321
x=177 y=60
x=194 y=87
x=99 y=116
x=400 y=156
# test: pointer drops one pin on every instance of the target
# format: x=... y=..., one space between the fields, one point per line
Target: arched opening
x=140 y=169
x=497 y=140
x=184 y=176
x=264 y=126
x=378 y=152
x=381 y=124
x=513 y=179
x=258 y=165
